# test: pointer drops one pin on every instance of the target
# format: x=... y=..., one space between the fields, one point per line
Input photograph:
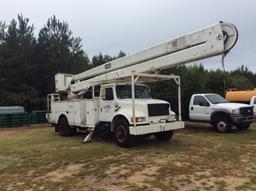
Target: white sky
x=132 y=25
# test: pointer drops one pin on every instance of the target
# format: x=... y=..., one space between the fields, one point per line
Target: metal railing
x=22 y=118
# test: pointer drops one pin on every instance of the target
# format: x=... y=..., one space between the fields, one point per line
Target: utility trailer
x=114 y=97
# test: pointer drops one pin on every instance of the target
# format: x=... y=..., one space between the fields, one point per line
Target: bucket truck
x=113 y=96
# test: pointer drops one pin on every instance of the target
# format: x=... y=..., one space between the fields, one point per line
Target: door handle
x=192 y=108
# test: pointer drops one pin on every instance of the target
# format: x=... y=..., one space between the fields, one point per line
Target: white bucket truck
x=114 y=96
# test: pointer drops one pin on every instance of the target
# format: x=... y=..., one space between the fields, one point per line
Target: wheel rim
x=222 y=126
x=121 y=134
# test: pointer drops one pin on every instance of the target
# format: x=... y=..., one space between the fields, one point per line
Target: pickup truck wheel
x=163 y=136
x=244 y=126
x=64 y=128
x=222 y=125
x=122 y=134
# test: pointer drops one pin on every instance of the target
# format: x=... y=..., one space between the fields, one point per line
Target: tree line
x=28 y=63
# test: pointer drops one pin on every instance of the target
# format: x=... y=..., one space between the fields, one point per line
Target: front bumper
x=242 y=119
x=156 y=127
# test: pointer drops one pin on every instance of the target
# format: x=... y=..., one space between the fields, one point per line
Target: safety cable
x=224 y=72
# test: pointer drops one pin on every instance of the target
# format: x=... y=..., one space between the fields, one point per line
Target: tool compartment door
x=71 y=112
x=91 y=113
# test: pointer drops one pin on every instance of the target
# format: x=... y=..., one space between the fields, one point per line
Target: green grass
x=197 y=158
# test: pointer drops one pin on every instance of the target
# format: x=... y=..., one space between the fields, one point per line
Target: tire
x=243 y=126
x=164 y=136
x=122 y=134
x=64 y=128
x=73 y=130
x=222 y=125
x=56 y=128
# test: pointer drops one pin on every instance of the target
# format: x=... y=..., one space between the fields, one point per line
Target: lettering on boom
x=107 y=66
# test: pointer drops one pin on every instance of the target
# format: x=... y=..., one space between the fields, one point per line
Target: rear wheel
x=122 y=134
x=243 y=126
x=63 y=127
x=164 y=136
x=222 y=125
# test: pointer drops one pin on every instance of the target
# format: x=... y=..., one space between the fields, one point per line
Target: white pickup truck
x=222 y=114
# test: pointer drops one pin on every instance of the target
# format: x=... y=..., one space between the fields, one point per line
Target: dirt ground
x=196 y=158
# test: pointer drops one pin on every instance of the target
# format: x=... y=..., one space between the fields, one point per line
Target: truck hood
x=231 y=105
x=143 y=101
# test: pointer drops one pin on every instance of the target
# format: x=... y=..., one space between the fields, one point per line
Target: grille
x=158 y=109
x=246 y=110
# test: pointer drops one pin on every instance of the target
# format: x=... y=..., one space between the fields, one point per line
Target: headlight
x=172 y=116
x=235 y=111
x=139 y=119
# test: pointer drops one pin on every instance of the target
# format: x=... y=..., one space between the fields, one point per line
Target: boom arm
x=211 y=41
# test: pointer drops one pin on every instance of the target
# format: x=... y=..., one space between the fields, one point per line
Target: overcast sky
x=108 y=26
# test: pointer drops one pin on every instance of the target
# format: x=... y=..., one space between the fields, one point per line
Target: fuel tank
x=233 y=95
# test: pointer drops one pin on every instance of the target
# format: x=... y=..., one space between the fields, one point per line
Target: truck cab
x=116 y=99
x=253 y=101
x=151 y=115
x=220 y=113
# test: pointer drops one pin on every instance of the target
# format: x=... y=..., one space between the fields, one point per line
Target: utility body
x=115 y=96
x=214 y=109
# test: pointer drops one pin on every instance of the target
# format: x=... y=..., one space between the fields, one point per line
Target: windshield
x=125 y=92
x=215 y=98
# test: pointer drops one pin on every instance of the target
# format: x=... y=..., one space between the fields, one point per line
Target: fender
x=219 y=111
x=115 y=117
x=60 y=115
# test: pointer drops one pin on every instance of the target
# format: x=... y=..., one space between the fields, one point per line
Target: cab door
x=253 y=101
x=200 y=109
x=107 y=104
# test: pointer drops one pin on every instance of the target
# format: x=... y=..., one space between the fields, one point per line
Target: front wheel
x=222 y=125
x=243 y=126
x=164 y=136
x=122 y=134
x=63 y=127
